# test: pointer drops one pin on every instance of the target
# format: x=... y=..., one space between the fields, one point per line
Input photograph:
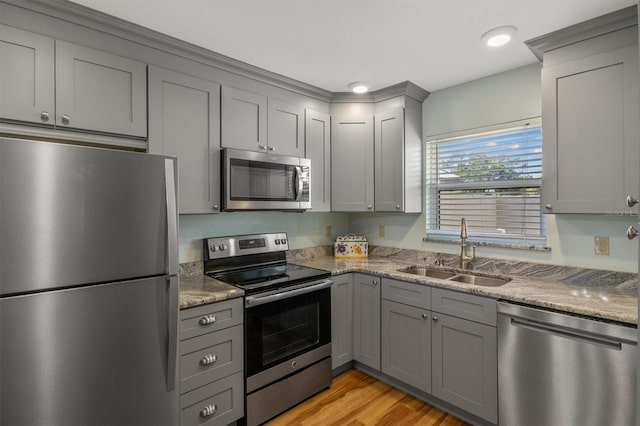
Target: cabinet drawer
x=210 y=357
x=407 y=293
x=208 y=318
x=463 y=305
x=224 y=399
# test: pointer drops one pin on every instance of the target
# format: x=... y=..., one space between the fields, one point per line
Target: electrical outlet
x=601 y=246
x=381 y=231
x=328 y=232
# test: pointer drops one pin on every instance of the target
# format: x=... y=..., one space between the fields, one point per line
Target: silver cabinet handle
x=548 y=206
x=374 y=282
x=208 y=359
x=44 y=116
x=65 y=119
x=369 y=207
x=262 y=147
x=435 y=318
x=208 y=319
x=425 y=316
x=631 y=201
x=209 y=410
x=397 y=206
x=632 y=232
x=271 y=148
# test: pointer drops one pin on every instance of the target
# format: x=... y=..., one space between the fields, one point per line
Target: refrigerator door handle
x=172 y=219
x=172 y=327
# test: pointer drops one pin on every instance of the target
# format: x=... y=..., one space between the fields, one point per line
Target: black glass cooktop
x=264 y=278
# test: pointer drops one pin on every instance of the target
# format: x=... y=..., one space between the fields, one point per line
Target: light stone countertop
x=201 y=290
x=592 y=300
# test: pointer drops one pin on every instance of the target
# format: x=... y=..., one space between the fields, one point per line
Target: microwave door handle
x=299 y=183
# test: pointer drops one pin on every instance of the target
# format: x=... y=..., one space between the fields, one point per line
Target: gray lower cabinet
x=352 y=185
x=406 y=344
x=590 y=111
x=318 y=150
x=93 y=90
x=366 y=320
x=184 y=121
x=341 y=320
x=211 y=364
x=464 y=352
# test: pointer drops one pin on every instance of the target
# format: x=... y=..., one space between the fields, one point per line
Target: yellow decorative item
x=351 y=246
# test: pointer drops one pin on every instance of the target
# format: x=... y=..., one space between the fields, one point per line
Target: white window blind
x=492 y=179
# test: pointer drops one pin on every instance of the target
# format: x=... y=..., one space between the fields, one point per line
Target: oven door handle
x=251 y=301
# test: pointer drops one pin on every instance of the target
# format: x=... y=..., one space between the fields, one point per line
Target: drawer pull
x=209 y=410
x=208 y=359
x=206 y=320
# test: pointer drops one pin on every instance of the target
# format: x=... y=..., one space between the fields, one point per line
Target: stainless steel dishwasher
x=558 y=369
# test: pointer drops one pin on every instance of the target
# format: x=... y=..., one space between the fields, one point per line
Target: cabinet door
x=465 y=366
x=352 y=164
x=244 y=120
x=99 y=91
x=406 y=344
x=318 y=150
x=366 y=320
x=341 y=320
x=285 y=129
x=389 y=155
x=26 y=76
x=590 y=145
x=184 y=121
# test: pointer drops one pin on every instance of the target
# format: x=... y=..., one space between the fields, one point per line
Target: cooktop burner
x=255 y=262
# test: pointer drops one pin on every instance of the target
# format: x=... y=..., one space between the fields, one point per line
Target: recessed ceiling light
x=359 y=87
x=499 y=36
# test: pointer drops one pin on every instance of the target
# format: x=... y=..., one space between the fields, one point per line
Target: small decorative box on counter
x=351 y=246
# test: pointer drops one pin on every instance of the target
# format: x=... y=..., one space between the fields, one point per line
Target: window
x=492 y=179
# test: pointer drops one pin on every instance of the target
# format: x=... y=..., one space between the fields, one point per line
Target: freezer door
x=74 y=215
x=98 y=355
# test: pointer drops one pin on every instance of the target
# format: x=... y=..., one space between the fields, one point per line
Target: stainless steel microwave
x=261 y=181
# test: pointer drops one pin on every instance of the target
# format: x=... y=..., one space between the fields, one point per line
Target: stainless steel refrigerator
x=88 y=286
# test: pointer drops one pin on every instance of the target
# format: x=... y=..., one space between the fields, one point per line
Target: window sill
x=518 y=246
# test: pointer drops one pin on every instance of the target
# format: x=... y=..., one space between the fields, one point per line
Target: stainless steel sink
x=443 y=274
x=427 y=272
x=480 y=280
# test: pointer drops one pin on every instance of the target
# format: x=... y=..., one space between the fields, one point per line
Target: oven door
x=258 y=181
x=286 y=331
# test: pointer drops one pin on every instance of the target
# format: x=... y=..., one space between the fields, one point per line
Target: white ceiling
x=331 y=43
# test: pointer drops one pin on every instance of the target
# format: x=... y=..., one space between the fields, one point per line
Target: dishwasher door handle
x=566 y=333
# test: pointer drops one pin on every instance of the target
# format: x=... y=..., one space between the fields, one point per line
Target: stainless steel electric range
x=287 y=320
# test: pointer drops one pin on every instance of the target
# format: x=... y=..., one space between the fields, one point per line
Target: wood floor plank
x=357 y=399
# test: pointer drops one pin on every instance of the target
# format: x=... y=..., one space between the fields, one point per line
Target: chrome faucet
x=465 y=260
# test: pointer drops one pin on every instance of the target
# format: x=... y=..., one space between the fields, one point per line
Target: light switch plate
x=601 y=246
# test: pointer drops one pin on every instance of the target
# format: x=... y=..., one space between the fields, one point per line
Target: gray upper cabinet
x=341 y=320
x=318 y=149
x=398 y=165
x=244 y=120
x=590 y=113
x=285 y=129
x=184 y=121
x=93 y=90
x=256 y=123
x=366 y=320
x=99 y=91
x=26 y=76
x=352 y=185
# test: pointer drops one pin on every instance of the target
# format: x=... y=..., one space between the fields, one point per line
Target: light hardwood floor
x=356 y=399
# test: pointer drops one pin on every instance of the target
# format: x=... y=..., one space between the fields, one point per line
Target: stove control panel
x=240 y=245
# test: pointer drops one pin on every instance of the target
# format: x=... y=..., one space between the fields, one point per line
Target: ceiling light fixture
x=499 y=36
x=359 y=87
